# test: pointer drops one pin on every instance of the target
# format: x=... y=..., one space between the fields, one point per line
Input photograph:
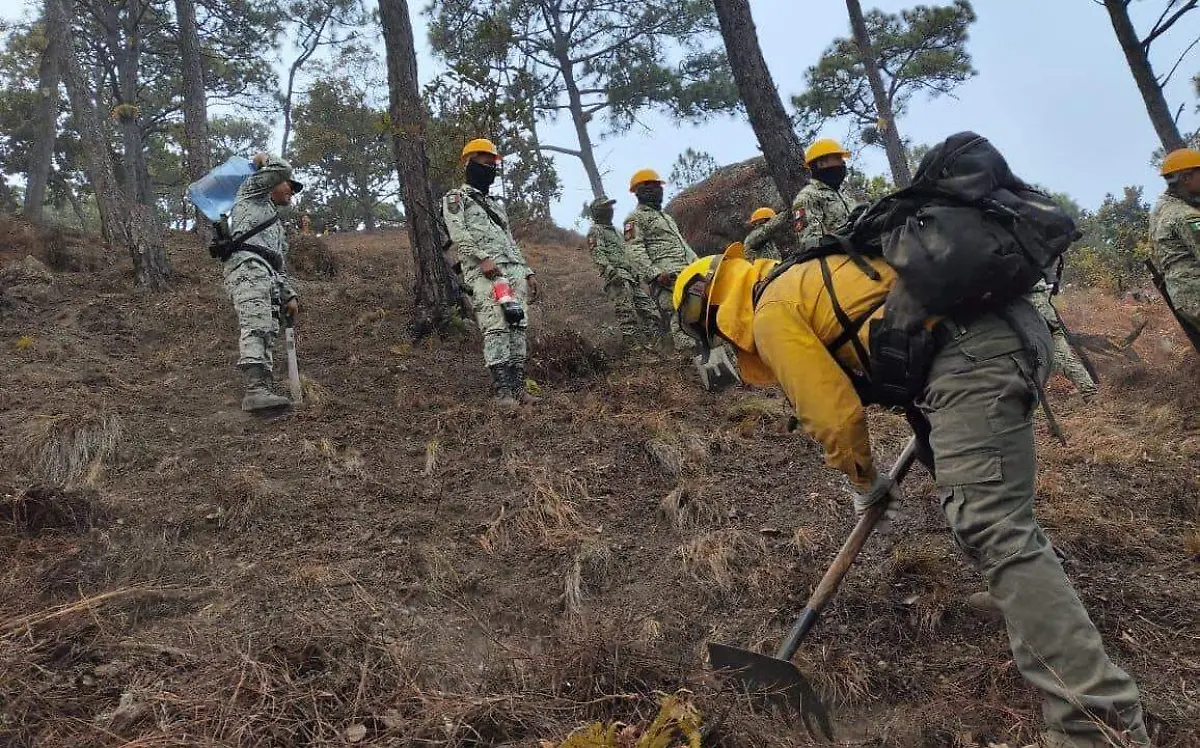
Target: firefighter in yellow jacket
x=979 y=400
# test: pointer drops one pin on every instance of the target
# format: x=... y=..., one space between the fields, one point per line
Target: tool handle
x=829 y=584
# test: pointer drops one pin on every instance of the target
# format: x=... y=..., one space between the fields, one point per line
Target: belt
x=946 y=331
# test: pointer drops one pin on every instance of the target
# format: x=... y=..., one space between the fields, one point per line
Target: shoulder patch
x=454 y=202
x=800 y=218
x=630 y=230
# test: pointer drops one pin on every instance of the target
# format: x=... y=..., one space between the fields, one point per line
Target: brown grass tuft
x=718 y=559
x=839 y=674
x=41 y=508
x=70 y=450
x=311 y=257
x=548 y=516
x=689 y=509
x=565 y=355
x=590 y=568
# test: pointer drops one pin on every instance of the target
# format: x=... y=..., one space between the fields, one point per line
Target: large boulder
x=714 y=213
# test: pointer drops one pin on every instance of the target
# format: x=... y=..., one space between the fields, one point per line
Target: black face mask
x=831 y=175
x=650 y=193
x=603 y=216
x=480 y=176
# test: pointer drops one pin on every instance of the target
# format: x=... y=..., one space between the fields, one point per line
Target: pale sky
x=1053 y=93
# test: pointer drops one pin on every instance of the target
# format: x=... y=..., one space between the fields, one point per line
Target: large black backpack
x=966 y=238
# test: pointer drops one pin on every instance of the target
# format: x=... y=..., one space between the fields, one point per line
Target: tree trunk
x=124 y=224
x=783 y=151
x=109 y=200
x=435 y=294
x=575 y=102
x=45 y=115
x=885 y=117
x=289 y=94
x=1143 y=75
x=126 y=53
x=195 y=107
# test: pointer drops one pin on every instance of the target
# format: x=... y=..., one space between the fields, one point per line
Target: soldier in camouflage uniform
x=479 y=228
x=256 y=275
x=768 y=227
x=1066 y=359
x=623 y=269
x=821 y=207
x=1175 y=231
x=650 y=231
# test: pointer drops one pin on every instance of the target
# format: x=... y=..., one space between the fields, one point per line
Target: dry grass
x=839 y=674
x=70 y=450
x=549 y=516
x=689 y=509
x=590 y=568
x=719 y=559
x=40 y=509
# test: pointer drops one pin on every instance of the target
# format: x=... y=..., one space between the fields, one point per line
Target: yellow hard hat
x=1180 y=160
x=479 y=145
x=824 y=147
x=762 y=214
x=701 y=285
x=641 y=176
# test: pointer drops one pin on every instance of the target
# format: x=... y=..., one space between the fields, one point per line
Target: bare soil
x=398 y=564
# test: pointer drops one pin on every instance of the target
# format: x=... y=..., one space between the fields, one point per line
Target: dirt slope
x=396 y=564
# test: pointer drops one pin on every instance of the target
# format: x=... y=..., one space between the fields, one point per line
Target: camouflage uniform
x=762 y=243
x=1066 y=359
x=818 y=210
x=623 y=269
x=257 y=280
x=1175 y=230
x=655 y=234
x=479 y=238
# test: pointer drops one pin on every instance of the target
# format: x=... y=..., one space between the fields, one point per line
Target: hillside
x=398 y=564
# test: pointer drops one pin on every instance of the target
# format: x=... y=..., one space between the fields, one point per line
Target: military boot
x=983 y=602
x=258 y=391
x=523 y=395
x=502 y=387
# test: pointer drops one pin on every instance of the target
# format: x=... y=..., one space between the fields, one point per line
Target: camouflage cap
x=601 y=202
x=283 y=169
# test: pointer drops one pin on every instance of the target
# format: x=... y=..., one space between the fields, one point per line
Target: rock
x=713 y=213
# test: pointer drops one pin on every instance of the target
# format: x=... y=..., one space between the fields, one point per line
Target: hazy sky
x=1053 y=93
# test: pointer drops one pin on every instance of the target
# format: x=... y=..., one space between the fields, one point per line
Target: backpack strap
x=850 y=328
x=492 y=214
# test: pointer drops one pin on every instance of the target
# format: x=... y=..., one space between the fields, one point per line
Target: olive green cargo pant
x=979 y=401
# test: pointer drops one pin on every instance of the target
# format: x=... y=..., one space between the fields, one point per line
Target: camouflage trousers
x=1066 y=360
x=1183 y=284
x=255 y=292
x=979 y=400
x=682 y=341
x=637 y=314
x=502 y=343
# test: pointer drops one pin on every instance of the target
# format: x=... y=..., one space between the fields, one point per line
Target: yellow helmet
x=824 y=147
x=641 y=176
x=1180 y=160
x=762 y=214
x=699 y=286
x=479 y=145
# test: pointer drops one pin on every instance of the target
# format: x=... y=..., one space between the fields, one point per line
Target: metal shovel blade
x=777 y=679
x=293 y=368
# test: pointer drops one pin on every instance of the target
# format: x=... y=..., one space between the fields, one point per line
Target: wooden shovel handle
x=845 y=558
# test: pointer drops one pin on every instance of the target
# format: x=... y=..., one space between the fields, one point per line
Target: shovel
x=777 y=676
x=289 y=339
